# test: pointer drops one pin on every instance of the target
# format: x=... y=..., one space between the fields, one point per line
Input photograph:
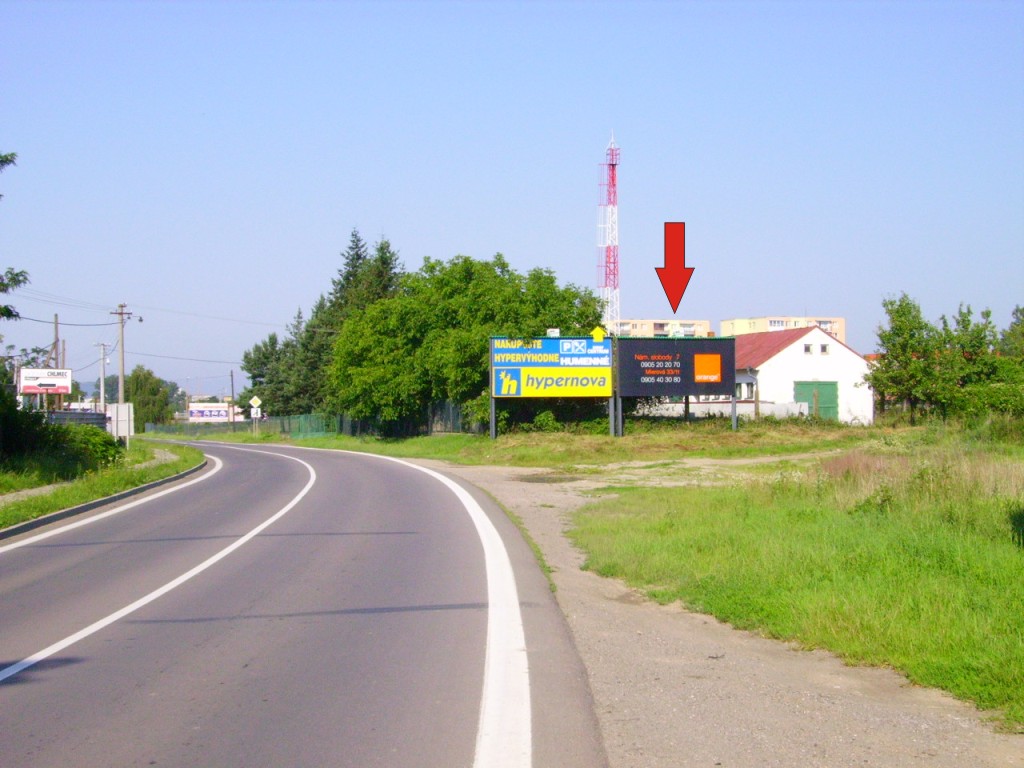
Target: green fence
x=440 y=418
x=304 y=425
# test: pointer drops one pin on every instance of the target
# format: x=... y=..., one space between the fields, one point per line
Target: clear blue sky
x=206 y=162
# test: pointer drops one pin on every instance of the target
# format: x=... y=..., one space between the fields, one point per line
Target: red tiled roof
x=753 y=349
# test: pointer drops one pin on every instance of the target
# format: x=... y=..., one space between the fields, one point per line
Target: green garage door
x=822 y=397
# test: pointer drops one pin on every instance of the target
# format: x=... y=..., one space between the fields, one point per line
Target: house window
x=807 y=349
x=750 y=390
x=739 y=391
x=824 y=349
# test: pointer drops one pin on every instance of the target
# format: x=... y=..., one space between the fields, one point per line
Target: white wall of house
x=825 y=359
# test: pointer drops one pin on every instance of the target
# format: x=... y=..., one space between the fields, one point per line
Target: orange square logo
x=707 y=369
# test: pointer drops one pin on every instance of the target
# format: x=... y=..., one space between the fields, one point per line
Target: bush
x=21 y=432
x=84 y=448
x=545 y=421
x=995 y=397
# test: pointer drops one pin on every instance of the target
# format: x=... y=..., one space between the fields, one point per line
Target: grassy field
x=898 y=547
x=581 y=451
x=905 y=552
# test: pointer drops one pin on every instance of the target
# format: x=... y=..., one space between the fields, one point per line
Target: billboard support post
x=494 y=418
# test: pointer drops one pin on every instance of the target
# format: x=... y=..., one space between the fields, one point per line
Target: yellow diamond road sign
x=255 y=402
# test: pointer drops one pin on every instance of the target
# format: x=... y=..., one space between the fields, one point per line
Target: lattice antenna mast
x=608 y=239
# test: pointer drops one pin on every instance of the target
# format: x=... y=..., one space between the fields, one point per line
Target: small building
x=804 y=365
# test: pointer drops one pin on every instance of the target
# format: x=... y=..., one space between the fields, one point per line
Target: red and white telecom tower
x=608 y=239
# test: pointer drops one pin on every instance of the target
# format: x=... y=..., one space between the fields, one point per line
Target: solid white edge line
x=504 y=733
x=116 y=510
x=39 y=656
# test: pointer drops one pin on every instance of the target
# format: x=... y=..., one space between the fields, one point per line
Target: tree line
x=384 y=345
x=961 y=366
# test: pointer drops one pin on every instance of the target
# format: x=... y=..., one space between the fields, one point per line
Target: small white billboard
x=211 y=412
x=44 y=381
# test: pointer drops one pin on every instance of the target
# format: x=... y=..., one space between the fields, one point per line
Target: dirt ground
x=675 y=688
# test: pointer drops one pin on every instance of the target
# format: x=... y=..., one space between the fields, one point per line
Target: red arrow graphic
x=675 y=275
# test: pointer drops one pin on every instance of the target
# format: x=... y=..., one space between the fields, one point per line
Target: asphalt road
x=288 y=607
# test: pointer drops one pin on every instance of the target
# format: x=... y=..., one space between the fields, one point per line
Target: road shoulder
x=674 y=688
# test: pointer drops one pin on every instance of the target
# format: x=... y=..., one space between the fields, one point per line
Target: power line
x=50 y=322
x=211 y=317
x=186 y=359
x=50 y=298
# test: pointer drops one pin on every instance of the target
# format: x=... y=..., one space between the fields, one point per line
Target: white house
x=804 y=365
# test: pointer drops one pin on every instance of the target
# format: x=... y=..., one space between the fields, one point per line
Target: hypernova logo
x=507 y=382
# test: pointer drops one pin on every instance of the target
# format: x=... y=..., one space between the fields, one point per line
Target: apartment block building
x=663 y=328
x=833 y=326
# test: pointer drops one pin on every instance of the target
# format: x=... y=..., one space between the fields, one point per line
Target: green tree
x=11 y=278
x=291 y=375
x=375 y=372
x=364 y=278
x=77 y=393
x=312 y=359
x=905 y=370
x=344 y=287
x=379 y=278
x=430 y=341
x=1011 y=341
x=150 y=397
x=952 y=369
x=289 y=378
x=23 y=358
x=264 y=366
x=7 y=159
x=20 y=432
x=964 y=358
x=110 y=383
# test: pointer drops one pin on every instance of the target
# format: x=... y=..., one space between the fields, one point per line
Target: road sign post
x=255 y=414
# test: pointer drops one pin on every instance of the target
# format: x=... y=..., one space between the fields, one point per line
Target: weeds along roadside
x=907 y=551
x=124 y=475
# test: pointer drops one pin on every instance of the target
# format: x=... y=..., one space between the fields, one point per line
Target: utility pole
x=53 y=356
x=53 y=361
x=124 y=315
x=103 y=376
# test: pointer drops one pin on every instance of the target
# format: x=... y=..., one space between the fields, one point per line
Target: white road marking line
x=504 y=733
x=116 y=510
x=35 y=658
